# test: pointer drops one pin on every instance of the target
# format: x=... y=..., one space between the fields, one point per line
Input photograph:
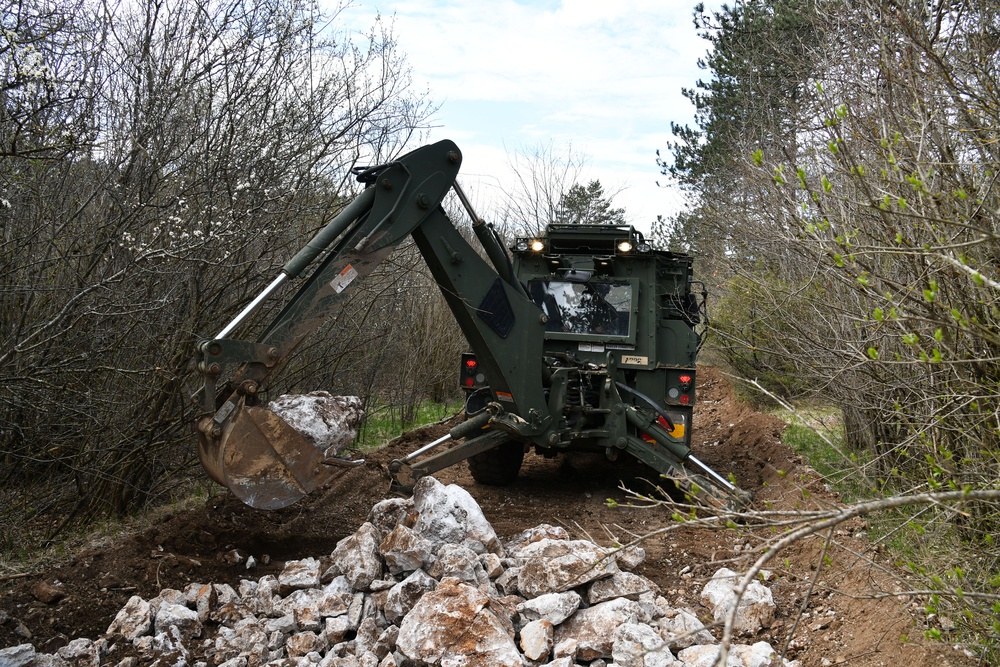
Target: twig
x=809 y=592
x=831 y=519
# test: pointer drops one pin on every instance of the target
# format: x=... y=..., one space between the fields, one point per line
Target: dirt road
x=841 y=623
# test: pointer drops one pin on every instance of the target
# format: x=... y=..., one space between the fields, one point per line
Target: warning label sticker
x=343 y=279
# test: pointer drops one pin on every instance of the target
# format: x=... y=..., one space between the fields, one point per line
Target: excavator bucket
x=263 y=460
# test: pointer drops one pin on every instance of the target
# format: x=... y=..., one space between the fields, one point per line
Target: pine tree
x=588 y=205
x=761 y=56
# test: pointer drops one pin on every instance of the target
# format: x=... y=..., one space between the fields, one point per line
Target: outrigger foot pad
x=338 y=462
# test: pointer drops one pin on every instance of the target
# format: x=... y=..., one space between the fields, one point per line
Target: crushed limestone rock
x=425 y=582
x=325 y=420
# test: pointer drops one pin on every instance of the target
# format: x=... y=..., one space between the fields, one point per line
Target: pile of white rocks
x=426 y=581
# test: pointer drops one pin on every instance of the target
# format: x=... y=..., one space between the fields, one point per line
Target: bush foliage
x=845 y=208
x=159 y=162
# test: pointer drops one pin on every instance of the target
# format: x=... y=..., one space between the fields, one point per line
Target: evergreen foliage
x=588 y=205
x=760 y=60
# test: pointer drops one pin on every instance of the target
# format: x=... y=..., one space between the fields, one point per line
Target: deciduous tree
x=158 y=162
x=859 y=258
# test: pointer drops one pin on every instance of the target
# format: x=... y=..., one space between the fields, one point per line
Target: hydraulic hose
x=638 y=394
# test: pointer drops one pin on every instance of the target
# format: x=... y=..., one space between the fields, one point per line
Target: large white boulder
x=460 y=562
x=449 y=515
x=405 y=551
x=552 y=607
x=21 y=655
x=357 y=557
x=638 y=645
x=536 y=640
x=529 y=535
x=620 y=585
x=80 y=653
x=555 y=566
x=760 y=654
x=298 y=574
x=327 y=421
x=592 y=629
x=755 y=609
x=405 y=594
x=134 y=620
x=454 y=625
x=682 y=629
x=170 y=616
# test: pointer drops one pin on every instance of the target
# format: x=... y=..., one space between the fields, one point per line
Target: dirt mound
x=211 y=543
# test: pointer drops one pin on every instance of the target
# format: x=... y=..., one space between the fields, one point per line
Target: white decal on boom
x=343 y=279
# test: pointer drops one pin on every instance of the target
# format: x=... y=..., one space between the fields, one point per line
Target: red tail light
x=470 y=377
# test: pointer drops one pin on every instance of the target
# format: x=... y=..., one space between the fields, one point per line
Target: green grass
x=383 y=423
x=818 y=435
x=822 y=457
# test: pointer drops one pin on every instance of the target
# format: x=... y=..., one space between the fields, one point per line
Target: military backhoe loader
x=584 y=340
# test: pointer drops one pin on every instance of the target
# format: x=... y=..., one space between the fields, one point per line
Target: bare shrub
x=853 y=238
x=164 y=159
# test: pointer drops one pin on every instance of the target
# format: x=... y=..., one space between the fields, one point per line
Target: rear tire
x=499 y=466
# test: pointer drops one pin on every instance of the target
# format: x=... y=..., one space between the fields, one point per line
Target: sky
x=599 y=78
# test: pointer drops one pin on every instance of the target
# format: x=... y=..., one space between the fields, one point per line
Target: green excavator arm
x=258 y=456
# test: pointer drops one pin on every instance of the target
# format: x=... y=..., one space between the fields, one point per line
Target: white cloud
x=603 y=76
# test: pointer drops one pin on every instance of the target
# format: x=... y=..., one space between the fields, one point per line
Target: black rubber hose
x=638 y=394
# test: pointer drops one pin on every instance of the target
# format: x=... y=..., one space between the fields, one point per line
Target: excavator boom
x=258 y=456
x=247 y=448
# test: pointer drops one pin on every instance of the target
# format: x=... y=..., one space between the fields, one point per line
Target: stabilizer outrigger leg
x=669 y=457
x=405 y=472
